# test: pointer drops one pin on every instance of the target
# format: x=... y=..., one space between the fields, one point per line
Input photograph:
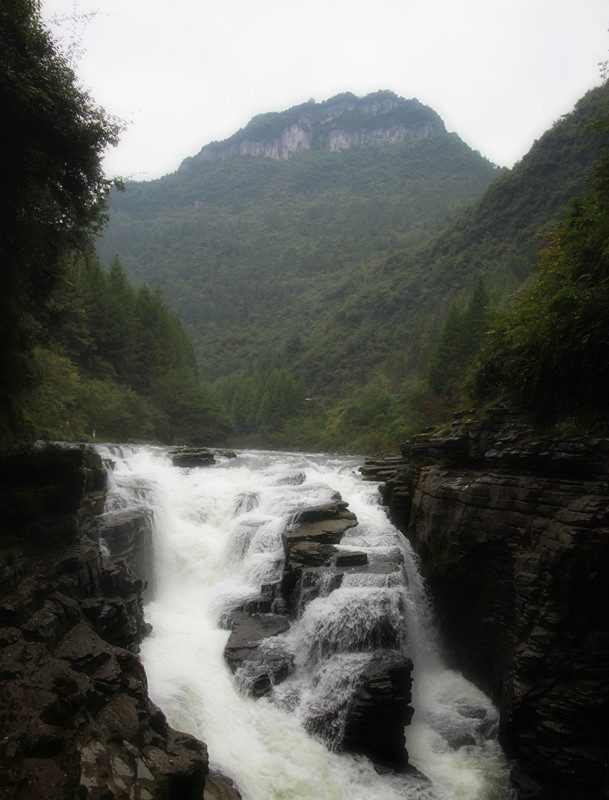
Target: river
x=217 y=540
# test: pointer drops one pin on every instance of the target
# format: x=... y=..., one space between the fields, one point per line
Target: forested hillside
x=82 y=354
x=119 y=366
x=253 y=252
x=336 y=297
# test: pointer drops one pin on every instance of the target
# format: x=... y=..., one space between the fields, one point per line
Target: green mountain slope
x=340 y=265
x=252 y=252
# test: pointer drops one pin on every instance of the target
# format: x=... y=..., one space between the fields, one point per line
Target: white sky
x=182 y=73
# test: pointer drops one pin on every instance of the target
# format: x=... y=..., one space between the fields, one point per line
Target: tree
x=550 y=354
x=52 y=192
x=457 y=343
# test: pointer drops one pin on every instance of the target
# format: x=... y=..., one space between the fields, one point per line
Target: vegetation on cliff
x=80 y=350
x=550 y=353
x=364 y=274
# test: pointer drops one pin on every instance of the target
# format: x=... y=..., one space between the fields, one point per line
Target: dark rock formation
x=513 y=534
x=76 y=717
x=309 y=543
x=218 y=787
x=128 y=536
x=382 y=697
x=351 y=558
x=371 y=722
x=259 y=667
x=193 y=457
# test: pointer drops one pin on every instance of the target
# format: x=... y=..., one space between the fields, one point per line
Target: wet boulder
x=351 y=558
x=253 y=652
x=193 y=457
x=309 y=542
x=380 y=709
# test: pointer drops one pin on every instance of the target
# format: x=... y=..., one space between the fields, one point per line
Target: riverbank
x=512 y=530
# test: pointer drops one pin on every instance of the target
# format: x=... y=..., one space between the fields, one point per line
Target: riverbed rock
x=309 y=542
x=260 y=660
x=371 y=719
x=512 y=528
x=380 y=709
x=193 y=457
x=128 y=536
x=219 y=787
x=351 y=558
x=76 y=717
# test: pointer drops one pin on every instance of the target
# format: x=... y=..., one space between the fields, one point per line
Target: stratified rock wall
x=75 y=716
x=513 y=535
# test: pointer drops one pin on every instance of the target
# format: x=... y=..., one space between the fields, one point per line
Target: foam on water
x=217 y=538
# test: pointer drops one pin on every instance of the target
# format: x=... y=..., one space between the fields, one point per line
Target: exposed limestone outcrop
x=513 y=534
x=76 y=717
x=339 y=123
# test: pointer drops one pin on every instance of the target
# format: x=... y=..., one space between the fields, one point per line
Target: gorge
x=512 y=538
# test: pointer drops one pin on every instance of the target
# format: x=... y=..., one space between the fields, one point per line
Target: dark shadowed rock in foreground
x=76 y=718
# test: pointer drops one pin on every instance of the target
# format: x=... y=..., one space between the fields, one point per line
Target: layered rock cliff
x=336 y=124
x=513 y=534
x=75 y=715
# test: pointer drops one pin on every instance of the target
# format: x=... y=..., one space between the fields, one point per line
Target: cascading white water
x=217 y=540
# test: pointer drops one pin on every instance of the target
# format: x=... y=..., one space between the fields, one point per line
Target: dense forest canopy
x=52 y=193
x=365 y=274
x=550 y=354
x=333 y=297
x=250 y=248
x=81 y=352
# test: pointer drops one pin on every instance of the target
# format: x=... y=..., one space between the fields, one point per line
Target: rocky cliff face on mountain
x=513 y=534
x=75 y=715
x=336 y=124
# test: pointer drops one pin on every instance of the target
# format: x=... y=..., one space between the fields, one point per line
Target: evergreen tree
x=52 y=193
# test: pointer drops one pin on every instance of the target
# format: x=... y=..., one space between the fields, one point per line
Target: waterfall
x=217 y=541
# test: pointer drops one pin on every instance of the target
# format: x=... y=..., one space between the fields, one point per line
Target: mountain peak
x=341 y=122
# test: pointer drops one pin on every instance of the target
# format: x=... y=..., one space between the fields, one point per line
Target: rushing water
x=217 y=540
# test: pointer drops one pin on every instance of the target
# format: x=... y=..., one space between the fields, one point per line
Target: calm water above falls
x=217 y=539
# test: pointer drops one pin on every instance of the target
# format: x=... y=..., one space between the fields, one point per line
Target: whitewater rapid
x=217 y=540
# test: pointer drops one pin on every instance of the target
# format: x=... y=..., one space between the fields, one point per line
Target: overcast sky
x=183 y=73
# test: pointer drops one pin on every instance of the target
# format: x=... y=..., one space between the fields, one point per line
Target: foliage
x=255 y=254
x=52 y=192
x=457 y=343
x=550 y=354
x=356 y=271
x=121 y=367
x=260 y=400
